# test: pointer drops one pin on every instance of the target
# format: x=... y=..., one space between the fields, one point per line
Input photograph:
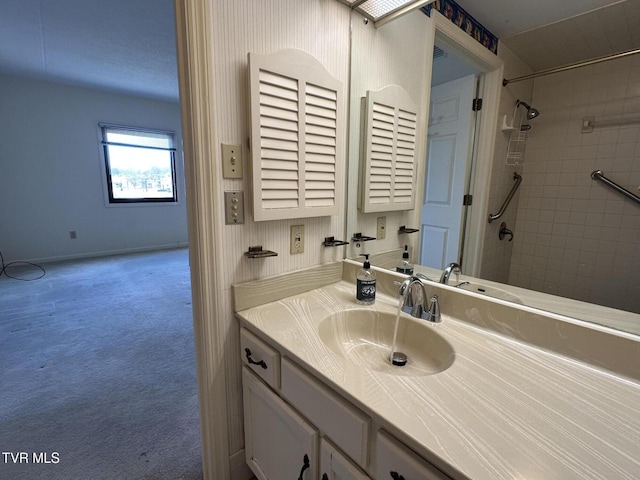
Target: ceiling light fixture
x=383 y=11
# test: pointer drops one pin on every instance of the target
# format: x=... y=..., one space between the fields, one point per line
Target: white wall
x=51 y=180
x=576 y=237
x=320 y=28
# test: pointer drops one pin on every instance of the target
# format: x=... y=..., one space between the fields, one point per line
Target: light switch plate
x=234 y=207
x=297 y=239
x=382 y=228
x=231 y=161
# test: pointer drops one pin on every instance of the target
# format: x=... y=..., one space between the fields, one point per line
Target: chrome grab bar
x=494 y=216
x=599 y=175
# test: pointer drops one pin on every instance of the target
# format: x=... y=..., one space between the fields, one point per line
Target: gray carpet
x=97 y=364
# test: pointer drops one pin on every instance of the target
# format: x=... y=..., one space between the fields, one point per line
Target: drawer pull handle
x=261 y=363
x=396 y=476
x=304 y=467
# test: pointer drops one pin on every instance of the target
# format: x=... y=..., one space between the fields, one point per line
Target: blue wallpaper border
x=466 y=22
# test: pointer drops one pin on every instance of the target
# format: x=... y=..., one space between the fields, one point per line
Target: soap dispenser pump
x=366 y=283
x=404 y=265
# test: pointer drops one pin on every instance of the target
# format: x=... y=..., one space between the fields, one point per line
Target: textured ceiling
x=129 y=45
x=609 y=30
x=505 y=18
x=121 y=45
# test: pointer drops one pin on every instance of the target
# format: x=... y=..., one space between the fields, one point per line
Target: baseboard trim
x=103 y=253
x=239 y=468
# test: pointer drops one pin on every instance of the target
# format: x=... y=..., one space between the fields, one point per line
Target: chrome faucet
x=451 y=268
x=413 y=298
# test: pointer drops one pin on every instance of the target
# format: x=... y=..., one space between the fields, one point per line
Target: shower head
x=531 y=112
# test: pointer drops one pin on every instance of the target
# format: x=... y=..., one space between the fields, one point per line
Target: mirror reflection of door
x=450 y=144
x=448 y=151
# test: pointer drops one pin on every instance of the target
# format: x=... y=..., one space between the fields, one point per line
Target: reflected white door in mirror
x=449 y=149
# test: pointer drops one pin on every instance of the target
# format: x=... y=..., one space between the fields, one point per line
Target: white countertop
x=502 y=410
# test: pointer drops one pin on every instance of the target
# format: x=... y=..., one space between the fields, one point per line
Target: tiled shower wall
x=574 y=236
x=496 y=254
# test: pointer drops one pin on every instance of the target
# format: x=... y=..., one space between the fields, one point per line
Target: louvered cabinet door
x=297 y=136
x=390 y=130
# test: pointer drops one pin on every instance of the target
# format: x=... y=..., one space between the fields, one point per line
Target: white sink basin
x=364 y=337
x=491 y=291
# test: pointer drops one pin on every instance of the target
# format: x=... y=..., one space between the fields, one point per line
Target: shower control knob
x=504 y=231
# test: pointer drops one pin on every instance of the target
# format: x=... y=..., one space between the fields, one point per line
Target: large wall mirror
x=442 y=70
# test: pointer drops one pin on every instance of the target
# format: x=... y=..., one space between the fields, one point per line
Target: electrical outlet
x=297 y=239
x=382 y=228
x=73 y=234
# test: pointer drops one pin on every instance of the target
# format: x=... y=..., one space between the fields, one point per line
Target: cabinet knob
x=396 y=476
x=304 y=466
x=261 y=363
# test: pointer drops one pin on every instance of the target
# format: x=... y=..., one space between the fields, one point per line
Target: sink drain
x=399 y=359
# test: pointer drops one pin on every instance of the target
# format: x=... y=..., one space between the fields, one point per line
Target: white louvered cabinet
x=389 y=151
x=298 y=121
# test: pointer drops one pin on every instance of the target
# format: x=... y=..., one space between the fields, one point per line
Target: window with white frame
x=140 y=164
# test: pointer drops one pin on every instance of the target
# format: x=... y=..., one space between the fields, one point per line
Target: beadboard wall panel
x=320 y=28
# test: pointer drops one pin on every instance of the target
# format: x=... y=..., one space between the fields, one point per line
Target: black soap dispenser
x=366 y=283
x=404 y=265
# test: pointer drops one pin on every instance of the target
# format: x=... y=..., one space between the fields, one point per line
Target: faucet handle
x=434 y=310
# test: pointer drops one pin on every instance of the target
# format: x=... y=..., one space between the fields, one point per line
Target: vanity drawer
x=394 y=461
x=347 y=426
x=335 y=466
x=260 y=357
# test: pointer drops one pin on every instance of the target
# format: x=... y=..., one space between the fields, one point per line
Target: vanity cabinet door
x=344 y=424
x=335 y=466
x=279 y=443
x=394 y=461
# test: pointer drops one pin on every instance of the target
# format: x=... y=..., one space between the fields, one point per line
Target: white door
x=448 y=151
x=279 y=443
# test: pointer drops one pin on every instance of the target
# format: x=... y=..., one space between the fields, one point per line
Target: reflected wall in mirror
x=398 y=54
x=574 y=248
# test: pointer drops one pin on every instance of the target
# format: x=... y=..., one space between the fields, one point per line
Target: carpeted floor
x=97 y=371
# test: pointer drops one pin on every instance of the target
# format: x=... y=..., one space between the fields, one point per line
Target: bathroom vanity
x=495 y=391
